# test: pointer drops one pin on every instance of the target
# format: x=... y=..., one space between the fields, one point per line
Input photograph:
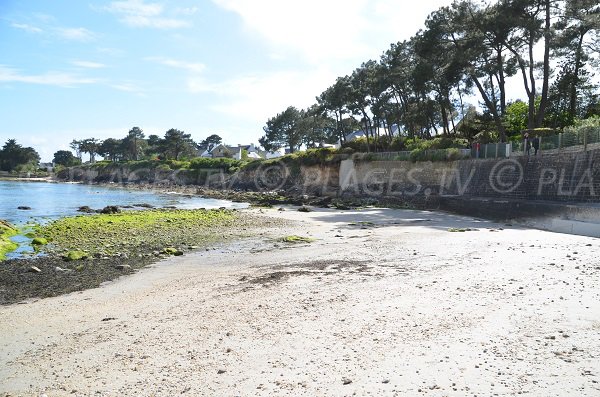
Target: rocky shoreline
x=77 y=253
x=50 y=274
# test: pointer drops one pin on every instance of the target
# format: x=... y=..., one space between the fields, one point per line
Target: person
x=536 y=145
x=527 y=143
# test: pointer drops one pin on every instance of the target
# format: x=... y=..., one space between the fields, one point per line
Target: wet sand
x=383 y=302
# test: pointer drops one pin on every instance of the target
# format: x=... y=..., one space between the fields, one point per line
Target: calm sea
x=54 y=200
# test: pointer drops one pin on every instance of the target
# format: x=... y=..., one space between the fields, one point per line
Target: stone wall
x=567 y=177
x=573 y=177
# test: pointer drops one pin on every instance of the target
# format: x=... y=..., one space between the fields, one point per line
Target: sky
x=75 y=69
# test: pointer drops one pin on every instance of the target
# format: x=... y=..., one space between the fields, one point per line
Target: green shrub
x=224 y=163
x=417 y=155
x=454 y=154
x=163 y=167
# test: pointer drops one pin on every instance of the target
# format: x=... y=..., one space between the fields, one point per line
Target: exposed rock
x=144 y=205
x=304 y=208
x=75 y=256
x=34 y=269
x=122 y=267
x=39 y=241
x=110 y=209
x=172 y=251
x=86 y=209
x=23 y=207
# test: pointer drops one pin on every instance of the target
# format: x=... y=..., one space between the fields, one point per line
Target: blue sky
x=77 y=69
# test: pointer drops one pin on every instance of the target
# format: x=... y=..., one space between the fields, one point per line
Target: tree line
x=15 y=157
x=419 y=86
x=174 y=145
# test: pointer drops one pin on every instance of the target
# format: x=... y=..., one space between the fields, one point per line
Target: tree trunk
x=546 y=71
x=573 y=93
x=492 y=108
x=531 y=97
x=501 y=81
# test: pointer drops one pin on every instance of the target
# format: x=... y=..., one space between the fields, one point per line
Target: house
x=374 y=131
x=234 y=152
x=274 y=154
x=49 y=167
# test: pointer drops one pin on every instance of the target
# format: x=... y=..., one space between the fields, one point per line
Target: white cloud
x=257 y=97
x=89 y=64
x=135 y=7
x=185 y=10
x=139 y=14
x=329 y=30
x=76 y=34
x=8 y=75
x=174 y=63
x=26 y=27
x=127 y=87
x=138 y=21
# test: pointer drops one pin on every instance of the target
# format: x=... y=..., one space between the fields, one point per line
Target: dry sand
x=396 y=307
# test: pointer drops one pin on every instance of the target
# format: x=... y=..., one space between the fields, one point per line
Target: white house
x=234 y=152
x=274 y=154
x=374 y=131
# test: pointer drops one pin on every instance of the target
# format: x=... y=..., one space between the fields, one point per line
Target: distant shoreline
x=25 y=179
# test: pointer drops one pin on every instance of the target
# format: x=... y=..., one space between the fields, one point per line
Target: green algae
x=75 y=256
x=39 y=241
x=6 y=245
x=135 y=232
x=297 y=239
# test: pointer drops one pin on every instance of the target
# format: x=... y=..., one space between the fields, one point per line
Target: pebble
x=34 y=269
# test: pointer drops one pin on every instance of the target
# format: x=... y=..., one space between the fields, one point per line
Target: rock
x=122 y=267
x=60 y=269
x=110 y=209
x=172 y=251
x=385 y=381
x=23 y=207
x=221 y=371
x=39 y=241
x=144 y=205
x=86 y=209
x=34 y=269
x=346 y=381
x=304 y=208
x=75 y=256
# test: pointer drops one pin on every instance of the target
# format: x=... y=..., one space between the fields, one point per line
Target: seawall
x=556 y=192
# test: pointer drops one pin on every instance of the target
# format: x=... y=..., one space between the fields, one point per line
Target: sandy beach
x=383 y=302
